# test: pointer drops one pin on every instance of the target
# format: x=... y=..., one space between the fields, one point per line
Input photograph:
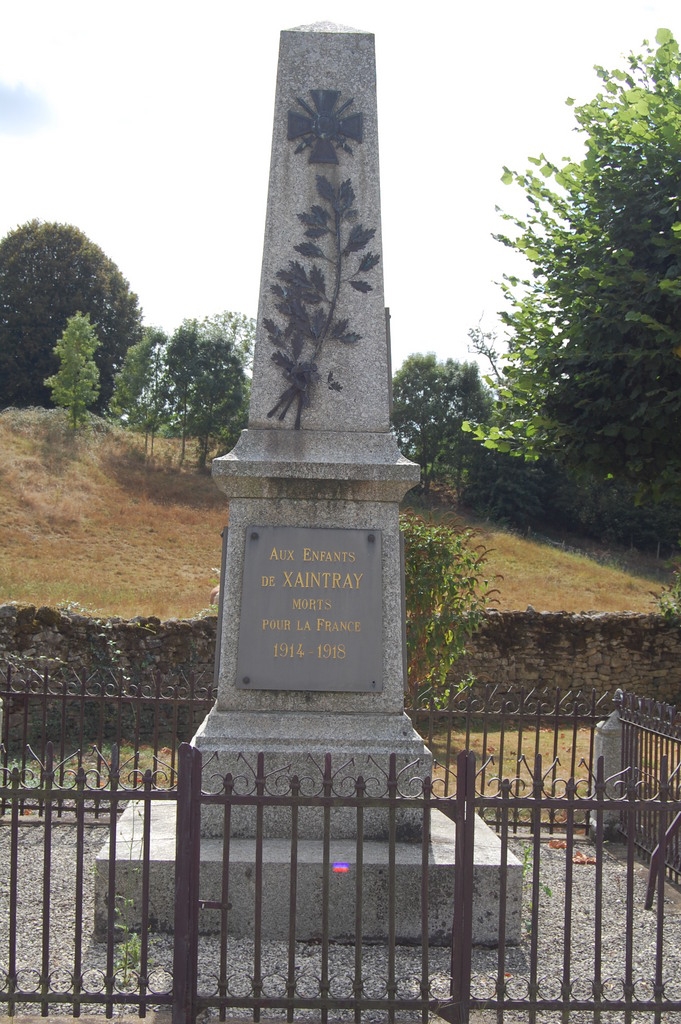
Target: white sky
x=147 y=124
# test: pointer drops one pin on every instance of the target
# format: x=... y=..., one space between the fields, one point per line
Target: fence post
x=608 y=745
x=187 y=861
x=462 y=925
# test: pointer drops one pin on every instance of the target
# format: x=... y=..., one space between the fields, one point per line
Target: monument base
x=296 y=744
x=276 y=883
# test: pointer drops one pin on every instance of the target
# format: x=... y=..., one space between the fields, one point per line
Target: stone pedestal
x=608 y=745
x=311 y=495
x=318 y=454
x=276 y=870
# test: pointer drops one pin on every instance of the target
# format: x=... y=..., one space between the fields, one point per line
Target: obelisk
x=312 y=646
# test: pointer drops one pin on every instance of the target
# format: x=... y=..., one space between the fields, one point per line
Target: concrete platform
x=276 y=884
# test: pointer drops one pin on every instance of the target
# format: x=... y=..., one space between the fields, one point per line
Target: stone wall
x=606 y=651
x=641 y=653
x=45 y=637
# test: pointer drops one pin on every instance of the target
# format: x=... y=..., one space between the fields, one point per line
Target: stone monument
x=312 y=651
x=313 y=648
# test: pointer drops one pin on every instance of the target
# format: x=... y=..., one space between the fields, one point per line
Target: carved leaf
x=318 y=281
x=308 y=249
x=368 y=262
x=297 y=272
x=350 y=338
x=283 y=360
x=361 y=286
x=273 y=330
x=317 y=324
x=334 y=385
x=317 y=218
x=339 y=328
x=325 y=189
x=346 y=196
x=359 y=237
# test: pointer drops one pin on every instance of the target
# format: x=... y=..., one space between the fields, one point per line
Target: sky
x=148 y=126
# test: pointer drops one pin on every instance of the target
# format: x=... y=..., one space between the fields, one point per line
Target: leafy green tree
x=218 y=410
x=431 y=400
x=182 y=365
x=140 y=392
x=508 y=491
x=49 y=272
x=593 y=375
x=207 y=383
x=75 y=385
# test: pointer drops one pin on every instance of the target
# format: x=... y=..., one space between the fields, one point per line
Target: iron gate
x=273 y=896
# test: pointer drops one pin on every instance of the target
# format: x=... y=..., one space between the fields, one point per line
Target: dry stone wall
x=50 y=638
x=641 y=653
x=512 y=649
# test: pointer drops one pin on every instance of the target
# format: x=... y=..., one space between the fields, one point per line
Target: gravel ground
x=408 y=961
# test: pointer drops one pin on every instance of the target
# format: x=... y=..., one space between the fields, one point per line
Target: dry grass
x=516 y=757
x=87 y=521
x=554 y=580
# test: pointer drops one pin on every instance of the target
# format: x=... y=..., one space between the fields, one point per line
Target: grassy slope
x=86 y=520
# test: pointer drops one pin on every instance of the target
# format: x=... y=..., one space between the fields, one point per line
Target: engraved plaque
x=311 y=610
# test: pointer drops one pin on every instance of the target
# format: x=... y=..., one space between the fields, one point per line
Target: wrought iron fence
x=49 y=958
x=651 y=737
x=82 y=917
x=602 y=954
x=507 y=730
x=84 y=715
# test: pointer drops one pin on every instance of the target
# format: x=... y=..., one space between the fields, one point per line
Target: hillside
x=88 y=521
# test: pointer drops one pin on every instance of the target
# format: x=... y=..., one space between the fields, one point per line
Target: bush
x=669 y=601
x=446 y=592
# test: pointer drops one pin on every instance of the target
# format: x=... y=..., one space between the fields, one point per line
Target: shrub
x=446 y=591
x=669 y=601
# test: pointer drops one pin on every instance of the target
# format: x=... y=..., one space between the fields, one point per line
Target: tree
x=182 y=356
x=593 y=373
x=431 y=400
x=75 y=385
x=218 y=409
x=49 y=272
x=207 y=384
x=140 y=391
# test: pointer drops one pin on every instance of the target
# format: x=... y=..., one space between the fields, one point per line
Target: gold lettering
x=323 y=580
x=281 y=555
x=312 y=604
x=310 y=555
x=329 y=626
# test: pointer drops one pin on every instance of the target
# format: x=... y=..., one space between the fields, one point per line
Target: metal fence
x=507 y=727
x=590 y=946
x=651 y=737
x=85 y=715
x=83 y=925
